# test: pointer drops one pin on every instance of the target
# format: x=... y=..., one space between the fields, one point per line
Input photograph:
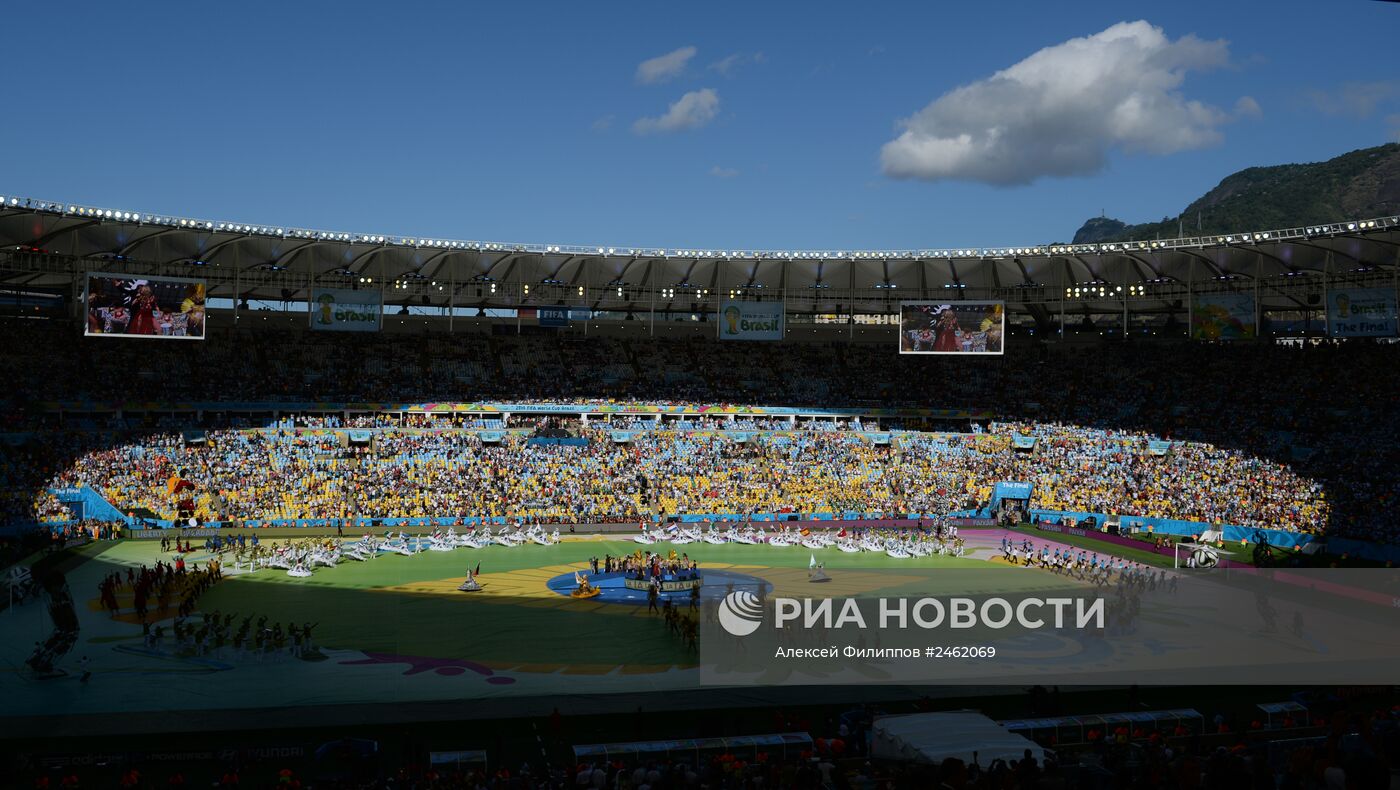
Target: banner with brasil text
x=751 y=321
x=1222 y=317
x=1361 y=312
x=346 y=310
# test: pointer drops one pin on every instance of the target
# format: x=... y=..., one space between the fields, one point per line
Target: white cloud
x=1355 y=99
x=664 y=67
x=1247 y=107
x=1393 y=121
x=728 y=66
x=604 y=123
x=1061 y=110
x=724 y=172
x=691 y=111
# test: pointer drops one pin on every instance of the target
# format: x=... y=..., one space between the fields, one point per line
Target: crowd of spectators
x=243 y=475
x=1295 y=437
x=1082 y=469
x=48 y=510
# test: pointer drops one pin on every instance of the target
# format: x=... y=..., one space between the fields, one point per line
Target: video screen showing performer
x=182 y=493
x=951 y=327
x=157 y=307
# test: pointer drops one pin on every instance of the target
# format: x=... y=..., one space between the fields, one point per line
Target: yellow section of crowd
x=267 y=476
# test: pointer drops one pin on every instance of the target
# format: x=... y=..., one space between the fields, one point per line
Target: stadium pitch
x=393 y=635
x=396 y=629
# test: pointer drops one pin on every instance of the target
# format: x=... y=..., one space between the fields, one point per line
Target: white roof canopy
x=934 y=737
x=1286 y=267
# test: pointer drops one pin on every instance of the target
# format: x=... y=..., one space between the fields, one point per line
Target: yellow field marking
x=127 y=614
x=526 y=587
x=589 y=669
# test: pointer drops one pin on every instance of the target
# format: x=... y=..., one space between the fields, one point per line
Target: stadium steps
x=630 y=354
x=497 y=366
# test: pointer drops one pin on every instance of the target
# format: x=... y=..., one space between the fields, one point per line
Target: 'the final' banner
x=1361 y=312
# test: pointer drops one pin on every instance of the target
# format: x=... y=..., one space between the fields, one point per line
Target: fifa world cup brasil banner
x=751 y=321
x=124 y=305
x=1222 y=317
x=346 y=310
x=951 y=327
x=1361 y=312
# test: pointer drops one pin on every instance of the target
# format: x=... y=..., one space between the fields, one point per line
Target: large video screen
x=951 y=327
x=121 y=305
x=1226 y=316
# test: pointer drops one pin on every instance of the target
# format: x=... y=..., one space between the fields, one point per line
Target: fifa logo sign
x=731 y=320
x=327 y=305
x=1343 y=303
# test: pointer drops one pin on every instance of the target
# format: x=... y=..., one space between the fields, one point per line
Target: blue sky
x=525 y=121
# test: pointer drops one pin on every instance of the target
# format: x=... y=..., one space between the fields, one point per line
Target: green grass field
x=1143 y=555
x=409 y=605
x=395 y=629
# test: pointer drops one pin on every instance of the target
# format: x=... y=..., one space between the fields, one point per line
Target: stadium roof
x=49 y=243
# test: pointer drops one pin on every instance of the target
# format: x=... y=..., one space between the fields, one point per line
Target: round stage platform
x=613 y=587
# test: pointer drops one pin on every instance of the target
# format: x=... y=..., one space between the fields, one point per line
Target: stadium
x=579 y=403
x=295 y=507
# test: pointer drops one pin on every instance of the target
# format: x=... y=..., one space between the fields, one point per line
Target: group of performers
x=685 y=625
x=645 y=565
x=1079 y=563
x=930 y=327
x=134 y=307
x=179 y=545
x=941 y=539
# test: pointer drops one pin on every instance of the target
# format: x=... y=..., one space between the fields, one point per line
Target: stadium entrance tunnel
x=612 y=587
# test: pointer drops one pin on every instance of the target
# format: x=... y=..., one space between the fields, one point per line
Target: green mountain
x=1356 y=185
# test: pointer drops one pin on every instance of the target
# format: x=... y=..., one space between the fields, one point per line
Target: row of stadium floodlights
x=1253 y=237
